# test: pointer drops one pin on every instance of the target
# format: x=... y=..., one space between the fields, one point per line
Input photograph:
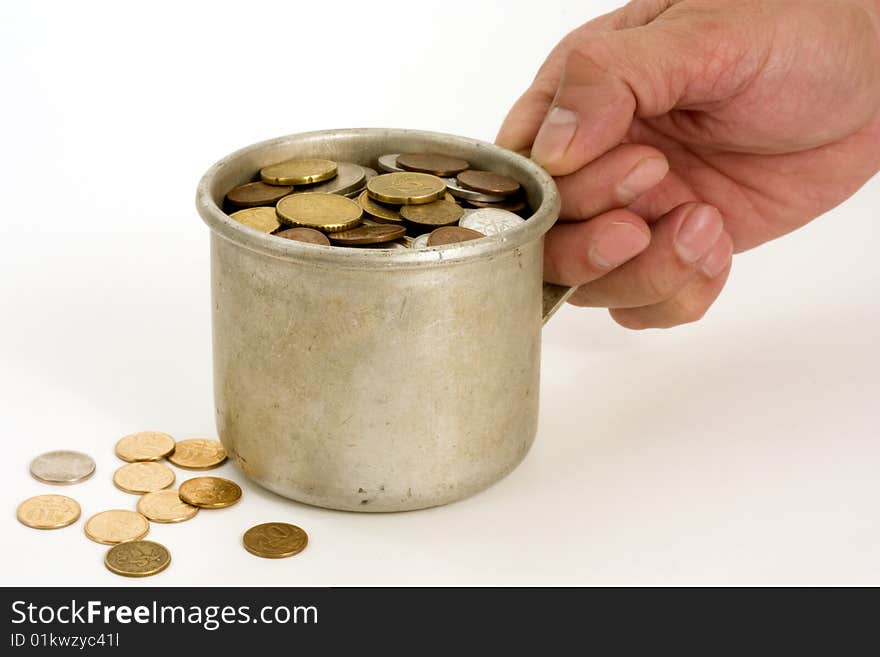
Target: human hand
x=680 y=131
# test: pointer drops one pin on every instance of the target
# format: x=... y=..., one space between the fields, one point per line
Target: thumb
x=606 y=81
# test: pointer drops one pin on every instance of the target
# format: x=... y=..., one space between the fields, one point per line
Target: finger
x=577 y=253
x=692 y=302
x=615 y=180
x=679 y=243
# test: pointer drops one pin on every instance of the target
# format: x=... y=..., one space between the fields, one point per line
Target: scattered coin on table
x=62 y=467
x=210 y=492
x=198 y=454
x=116 y=526
x=137 y=558
x=48 y=512
x=145 y=446
x=165 y=506
x=275 y=540
x=144 y=477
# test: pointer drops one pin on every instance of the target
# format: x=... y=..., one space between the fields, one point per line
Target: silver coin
x=421 y=242
x=349 y=176
x=388 y=163
x=62 y=467
x=468 y=194
x=370 y=173
x=490 y=221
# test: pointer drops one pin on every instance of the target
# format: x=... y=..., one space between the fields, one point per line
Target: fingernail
x=642 y=177
x=698 y=233
x=617 y=243
x=555 y=135
x=718 y=259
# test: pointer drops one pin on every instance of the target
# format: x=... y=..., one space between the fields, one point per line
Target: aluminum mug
x=377 y=379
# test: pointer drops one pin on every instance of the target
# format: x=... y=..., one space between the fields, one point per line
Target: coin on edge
x=433 y=163
x=275 y=540
x=165 y=506
x=116 y=526
x=298 y=172
x=302 y=234
x=491 y=221
x=198 y=454
x=262 y=219
x=144 y=446
x=62 y=467
x=452 y=235
x=254 y=194
x=210 y=492
x=137 y=558
x=488 y=182
x=368 y=235
x=145 y=477
x=379 y=211
x=48 y=512
x=438 y=213
x=406 y=188
x=327 y=212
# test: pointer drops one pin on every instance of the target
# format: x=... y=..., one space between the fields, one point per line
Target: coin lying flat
x=349 y=177
x=407 y=188
x=143 y=477
x=461 y=192
x=137 y=558
x=275 y=540
x=210 y=492
x=421 y=241
x=491 y=221
x=438 y=213
x=378 y=211
x=452 y=235
x=48 y=512
x=62 y=467
x=298 y=172
x=511 y=205
x=368 y=235
x=433 y=163
x=254 y=194
x=165 y=506
x=488 y=182
x=116 y=526
x=262 y=219
x=145 y=446
x=388 y=163
x=198 y=454
x=327 y=212
x=307 y=235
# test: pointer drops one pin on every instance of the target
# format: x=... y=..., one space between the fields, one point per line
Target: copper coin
x=368 y=235
x=511 y=205
x=488 y=182
x=452 y=235
x=307 y=235
x=254 y=194
x=438 y=213
x=275 y=540
x=438 y=165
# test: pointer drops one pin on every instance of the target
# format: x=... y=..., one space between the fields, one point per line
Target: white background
x=744 y=449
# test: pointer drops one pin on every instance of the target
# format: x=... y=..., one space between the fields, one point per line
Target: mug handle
x=554 y=297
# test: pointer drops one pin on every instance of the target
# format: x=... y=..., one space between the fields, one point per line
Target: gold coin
x=328 y=212
x=145 y=446
x=143 y=477
x=137 y=558
x=198 y=454
x=406 y=188
x=274 y=540
x=210 y=492
x=438 y=213
x=262 y=219
x=165 y=506
x=383 y=213
x=298 y=172
x=116 y=526
x=48 y=512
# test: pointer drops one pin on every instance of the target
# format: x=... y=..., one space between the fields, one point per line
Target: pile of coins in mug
x=146 y=476
x=421 y=200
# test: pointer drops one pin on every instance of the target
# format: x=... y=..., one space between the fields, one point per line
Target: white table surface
x=740 y=450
